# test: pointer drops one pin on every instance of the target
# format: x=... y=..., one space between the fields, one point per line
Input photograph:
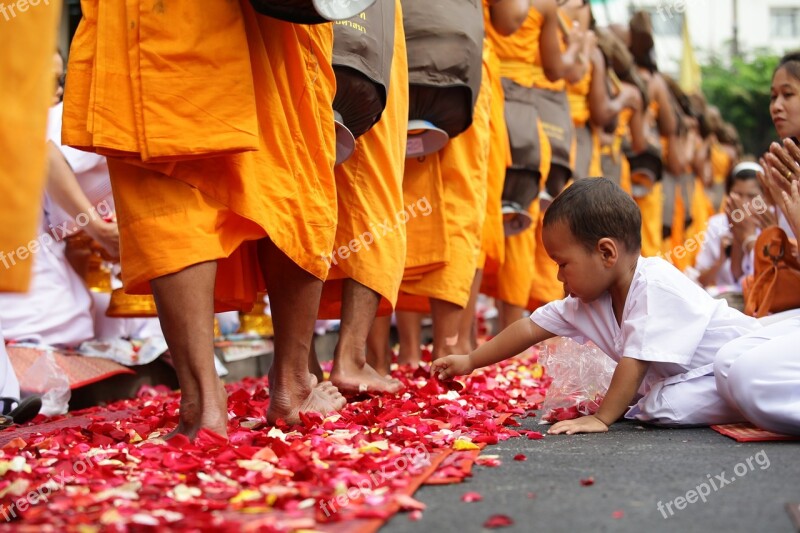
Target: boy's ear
x=607 y=248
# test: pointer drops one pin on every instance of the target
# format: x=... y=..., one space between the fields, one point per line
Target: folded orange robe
x=492 y=236
x=220 y=130
x=369 y=188
x=27 y=46
x=519 y=273
x=460 y=167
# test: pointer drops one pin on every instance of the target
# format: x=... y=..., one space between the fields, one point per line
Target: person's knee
x=743 y=383
x=726 y=356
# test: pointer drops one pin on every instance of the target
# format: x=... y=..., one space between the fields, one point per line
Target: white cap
x=424 y=138
x=341 y=9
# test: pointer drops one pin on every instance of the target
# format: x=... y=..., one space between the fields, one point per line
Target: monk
x=661 y=123
x=534 y=63
x=220 y=139
x=368 y=264
x=505 y=17
x=25 y=92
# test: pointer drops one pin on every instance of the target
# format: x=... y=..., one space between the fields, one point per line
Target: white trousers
x=759 y=374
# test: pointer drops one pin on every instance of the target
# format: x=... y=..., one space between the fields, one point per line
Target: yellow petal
x=465 y=444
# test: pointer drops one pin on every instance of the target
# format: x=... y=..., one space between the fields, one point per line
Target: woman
x=759 y=374
x=726 y=231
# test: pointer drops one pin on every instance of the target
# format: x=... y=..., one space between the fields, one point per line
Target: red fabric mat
x=59 y=423
x=81 y=370
x=350 y=471
x=750 y=433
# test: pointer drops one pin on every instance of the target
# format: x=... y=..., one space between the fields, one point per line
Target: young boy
x=661 y=328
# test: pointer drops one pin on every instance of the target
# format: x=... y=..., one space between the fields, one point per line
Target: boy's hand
x=584 y=424
x=450 y=366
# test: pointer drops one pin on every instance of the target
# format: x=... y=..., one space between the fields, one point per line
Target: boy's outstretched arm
x=511 y=341
x=625 y=382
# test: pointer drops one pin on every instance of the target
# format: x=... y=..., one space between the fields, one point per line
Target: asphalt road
x=633 y=468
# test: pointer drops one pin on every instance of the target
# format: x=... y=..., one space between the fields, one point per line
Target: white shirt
x=91 y=171
x=709 y=254
x=667 y=320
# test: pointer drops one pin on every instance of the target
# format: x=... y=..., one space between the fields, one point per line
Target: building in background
x=762 y=24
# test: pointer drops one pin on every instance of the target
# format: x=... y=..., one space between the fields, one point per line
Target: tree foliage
x=741 y=89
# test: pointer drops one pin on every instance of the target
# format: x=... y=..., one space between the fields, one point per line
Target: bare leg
x=446 y=319
x=294 y=299
x=379 y=353
x=409 y=329
x=313 y=363
x=467 y=329
x=350 y=372
x=185 y=302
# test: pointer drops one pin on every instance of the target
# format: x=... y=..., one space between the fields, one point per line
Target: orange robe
x=525 y=268
x=219 y=124
x=27 y=46
x=652 y=205
x=369 y=188
x=493 y=236
x=460 y=169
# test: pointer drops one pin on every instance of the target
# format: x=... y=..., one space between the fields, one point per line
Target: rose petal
x=618 y=514
x=407 y=503
x=497 y=521
x=520 y=457
x=471 y=497
x=589 y=481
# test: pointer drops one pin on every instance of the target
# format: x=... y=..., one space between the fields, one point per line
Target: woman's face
x=784 y=104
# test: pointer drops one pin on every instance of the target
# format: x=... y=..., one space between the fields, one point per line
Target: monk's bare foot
x=288 y=400
x=350 y=378
x=196 y=414
x=382 y=369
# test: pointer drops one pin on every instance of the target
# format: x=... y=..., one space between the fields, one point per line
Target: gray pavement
x=634 y=468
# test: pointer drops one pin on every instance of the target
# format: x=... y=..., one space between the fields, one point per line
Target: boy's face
x=582 y=272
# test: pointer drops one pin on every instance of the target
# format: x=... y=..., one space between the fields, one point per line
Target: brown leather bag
x=362 y=61
x=444 y=40
x=775 y=285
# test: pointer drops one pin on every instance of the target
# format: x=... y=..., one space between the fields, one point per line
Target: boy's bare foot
x=288 y=400
x=352 y=378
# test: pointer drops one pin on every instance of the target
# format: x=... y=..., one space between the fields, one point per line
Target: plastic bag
x=581 y=375
x=46 y=378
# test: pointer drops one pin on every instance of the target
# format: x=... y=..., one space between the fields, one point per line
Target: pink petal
x=498 y=520
x=471 y=497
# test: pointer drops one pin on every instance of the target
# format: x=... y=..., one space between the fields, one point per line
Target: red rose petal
x=498 y=520
x=618 y=514
x=534 y=435
x=589 y=481
x=520 y=457
x=471 y=497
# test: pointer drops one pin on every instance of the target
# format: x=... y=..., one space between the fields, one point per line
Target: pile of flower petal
x=350 y=468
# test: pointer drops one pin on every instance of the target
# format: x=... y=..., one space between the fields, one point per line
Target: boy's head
x=595 y=208
x=587 y=229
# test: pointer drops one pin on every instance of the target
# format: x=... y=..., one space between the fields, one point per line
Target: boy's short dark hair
x=595 y=208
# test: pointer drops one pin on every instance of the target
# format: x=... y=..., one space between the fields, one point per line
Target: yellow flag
x=690 y=79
